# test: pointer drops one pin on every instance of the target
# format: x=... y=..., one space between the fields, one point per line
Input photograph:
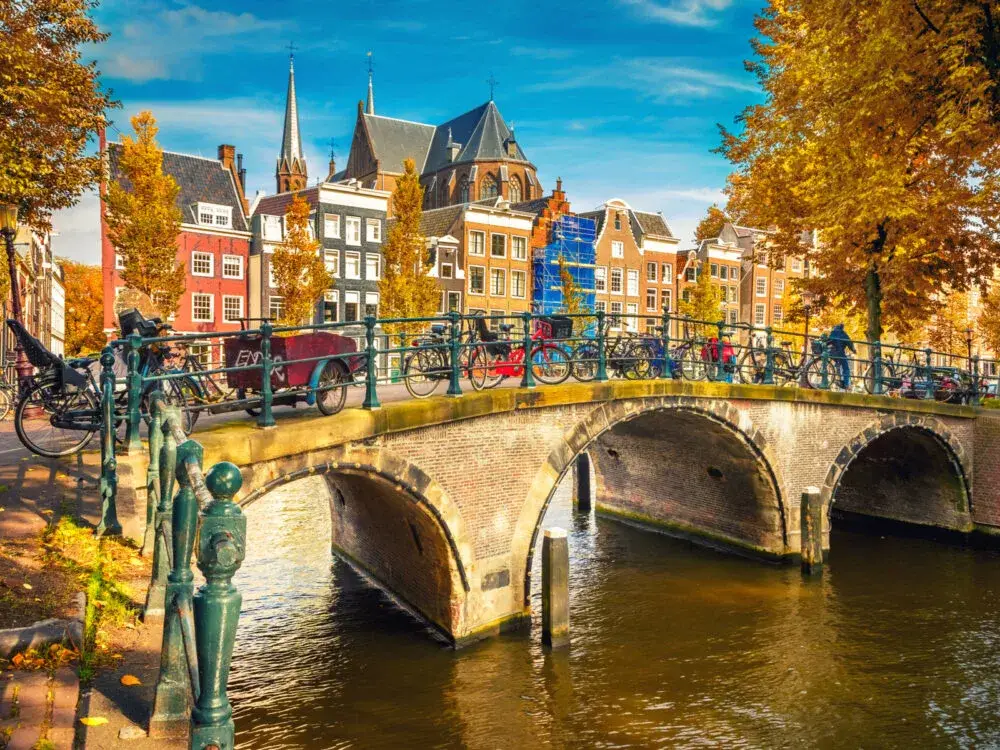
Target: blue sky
x=618 y=97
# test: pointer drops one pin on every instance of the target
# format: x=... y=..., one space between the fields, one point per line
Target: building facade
x=42 y=294
x=213 y=244
x=349 y=222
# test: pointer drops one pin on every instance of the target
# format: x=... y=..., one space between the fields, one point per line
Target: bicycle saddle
x=506 y=327
x=438 y=329
x=79 y=363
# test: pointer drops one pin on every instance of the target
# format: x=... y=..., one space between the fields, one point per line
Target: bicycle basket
x=555 y=326
x=817 y=346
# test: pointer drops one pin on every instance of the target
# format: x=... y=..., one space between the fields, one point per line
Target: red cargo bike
x=321 y=380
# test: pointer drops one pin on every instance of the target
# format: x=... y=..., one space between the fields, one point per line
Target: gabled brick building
x=213 y=245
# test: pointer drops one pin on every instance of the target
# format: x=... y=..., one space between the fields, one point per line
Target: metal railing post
x=824 y=361
x=665 y=371
x=929 y=375
x=602 y=354
x=877 y=367
x=266 y=416
x=720 y=369
x=178 y=660
x=454 y=388
x=221 y=549
x=156 y=404
x=371 y=372
x=527 y=377
x=109 y=463
x=133 y=443
x=769 y=358
x=163 y=523
x=975 y=379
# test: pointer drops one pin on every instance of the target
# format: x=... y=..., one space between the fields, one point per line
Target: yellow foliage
x=84 y=311
x=705 y=301
x=405 y=289
x=143 y=218
x=299 y=270
x=710 y=226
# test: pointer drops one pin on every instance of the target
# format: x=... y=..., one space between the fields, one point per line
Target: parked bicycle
x=499 y=359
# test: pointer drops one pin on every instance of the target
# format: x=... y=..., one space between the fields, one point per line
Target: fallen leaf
x=27 y=586
x=130 y=679
x=4 y=488
x=18 y=660
x=93 y=721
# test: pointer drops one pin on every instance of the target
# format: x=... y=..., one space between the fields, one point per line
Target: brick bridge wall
x=441 y=500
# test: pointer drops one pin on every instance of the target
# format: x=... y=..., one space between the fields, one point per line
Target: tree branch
x=928 y=21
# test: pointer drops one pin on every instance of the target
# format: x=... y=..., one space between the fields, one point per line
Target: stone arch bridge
x=440 y=501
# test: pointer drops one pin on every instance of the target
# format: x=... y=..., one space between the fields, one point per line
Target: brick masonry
x=471 y=478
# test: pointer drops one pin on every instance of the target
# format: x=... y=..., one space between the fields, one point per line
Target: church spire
x=370 y=104
x=291 y=170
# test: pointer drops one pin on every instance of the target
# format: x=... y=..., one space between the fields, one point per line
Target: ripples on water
x=673 y=646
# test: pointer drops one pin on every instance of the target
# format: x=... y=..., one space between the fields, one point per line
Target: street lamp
x=808 y=299
x=968 y=345
x=8 y=228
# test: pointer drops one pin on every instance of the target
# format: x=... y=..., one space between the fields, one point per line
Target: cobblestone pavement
x=36 y=706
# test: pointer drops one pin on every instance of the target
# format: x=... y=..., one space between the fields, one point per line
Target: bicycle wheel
x=422 y=372
x=550 y=364
x=822 y=374
x=331 y=391
x=785 y=373
x=483 y=369
x=6 y=403
x=750 y=369
x=584 y=364
x=640 y=358
x=692 y=365
x=45 y=403
x=888 y=378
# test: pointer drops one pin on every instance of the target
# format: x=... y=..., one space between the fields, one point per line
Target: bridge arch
x=392 y=521
x=745 y=459
x=904 y=468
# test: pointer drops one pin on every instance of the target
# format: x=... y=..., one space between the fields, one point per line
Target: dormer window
x=272 y=227
x=214 y=215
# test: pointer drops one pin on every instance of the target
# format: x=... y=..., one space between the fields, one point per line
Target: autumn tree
x=299 y=270
x=704 y=301
x=711 y=226
x=84 y=311
x=143 y=218
x=406 y=290
x=881 y=135
x=574 y=301
x=51 y=106
x=988 y=322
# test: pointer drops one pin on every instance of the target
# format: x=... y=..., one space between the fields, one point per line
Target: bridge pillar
x=811 y=513
x=582 y=493
x=555 y=588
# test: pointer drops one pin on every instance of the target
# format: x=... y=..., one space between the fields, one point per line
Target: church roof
x=481 y=133
x=291 y=141
x=199 y=179
x=395 y=140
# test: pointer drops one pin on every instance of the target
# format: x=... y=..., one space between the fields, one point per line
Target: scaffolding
x=572 y=239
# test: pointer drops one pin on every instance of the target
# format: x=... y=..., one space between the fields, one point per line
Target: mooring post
x=811 y=541
x=555 y=588
x=581 y=483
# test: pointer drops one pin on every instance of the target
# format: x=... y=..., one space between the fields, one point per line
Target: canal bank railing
x=199 y=628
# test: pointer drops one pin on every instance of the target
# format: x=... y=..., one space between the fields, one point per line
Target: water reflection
x=673 y=646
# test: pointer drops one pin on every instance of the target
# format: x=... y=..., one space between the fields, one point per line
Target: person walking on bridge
x=840 y=343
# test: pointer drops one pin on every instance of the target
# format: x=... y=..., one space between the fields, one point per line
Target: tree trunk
x=873 y=294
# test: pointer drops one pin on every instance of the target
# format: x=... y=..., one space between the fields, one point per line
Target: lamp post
x=808 y=298
x=8 y=228
x=968 y=345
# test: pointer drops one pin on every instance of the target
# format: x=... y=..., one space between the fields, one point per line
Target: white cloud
x=77 y=230
x=169 y=42
x=680 y=12
x=699 y=195
x=541 y=53
x=659 y=78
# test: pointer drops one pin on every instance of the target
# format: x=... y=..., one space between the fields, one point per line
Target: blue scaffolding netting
x=572 y=239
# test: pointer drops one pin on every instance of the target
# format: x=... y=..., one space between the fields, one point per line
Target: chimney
x=558 y=193
x=227 y=157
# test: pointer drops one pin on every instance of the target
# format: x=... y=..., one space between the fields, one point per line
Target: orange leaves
x=299 y=271
x=56 y=655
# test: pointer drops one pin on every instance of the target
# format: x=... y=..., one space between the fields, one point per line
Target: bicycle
x=430 y=364
x=499 y=359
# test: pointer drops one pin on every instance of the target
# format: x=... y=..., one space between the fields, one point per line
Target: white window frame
x=524 y=284
x=759 y=314
x=617 y=249
x=271 y=299
x=518 y=247
x=779 y=288
x=472 y=277
x=715 y=270
x=667 y=272
x=352 y=223
x=615 y=313
x=211 y=307
x=272 y=282
x=448 y=293
x=351 y=297
x=777 y=314
x=601 y=279
x=211 y=263
x=656 y=296
x=348 y=255
x=600 y=306
x=760 y=286
x=230 y=298
x=652 y=266
x=216 y=212
x=669 y=294
x=119 y=262
x=503 y=272
x=369 y=296
x=331 y=221
x=332 y=296
x=373 y=230
x=621 y=281
x=472 y=244
x=796 y=265
x=332 y=258
x=632 y=321
x=632 y=282
x=239 y=262
x=270 y=227
x=378 y=266
x=503 y=237
x=451 y=270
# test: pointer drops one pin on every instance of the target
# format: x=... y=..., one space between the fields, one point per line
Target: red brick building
x=213 y=245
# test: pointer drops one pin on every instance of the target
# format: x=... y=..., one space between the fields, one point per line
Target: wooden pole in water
x=581 y=483
x=811 y=541
x=555 y=588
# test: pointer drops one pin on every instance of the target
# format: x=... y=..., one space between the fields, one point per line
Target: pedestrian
x=840 y=343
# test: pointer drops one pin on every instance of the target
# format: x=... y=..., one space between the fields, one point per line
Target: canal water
x=674 y=646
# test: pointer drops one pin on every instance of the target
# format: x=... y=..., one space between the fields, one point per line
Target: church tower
x=291 y=171
x=370 y=103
